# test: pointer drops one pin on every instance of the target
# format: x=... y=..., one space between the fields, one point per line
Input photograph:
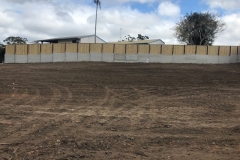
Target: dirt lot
x=119 y=111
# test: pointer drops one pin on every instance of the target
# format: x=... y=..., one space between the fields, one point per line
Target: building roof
x=148 y=41
x=66 y=38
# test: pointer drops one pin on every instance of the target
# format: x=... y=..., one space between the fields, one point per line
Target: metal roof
x=148 y=41
x=67 y=38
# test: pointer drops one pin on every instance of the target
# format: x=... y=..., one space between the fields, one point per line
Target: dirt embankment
x=119 y=111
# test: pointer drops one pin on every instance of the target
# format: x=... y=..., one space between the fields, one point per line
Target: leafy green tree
x=130 y=38
x=199 y=28
x=140 y=37
x=8 y=41
x=15 y=40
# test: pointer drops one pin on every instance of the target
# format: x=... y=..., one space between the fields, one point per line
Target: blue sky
x=39 y=19
x=185 y=5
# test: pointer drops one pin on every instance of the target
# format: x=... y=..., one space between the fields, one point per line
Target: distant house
x=75 y=39
x=147 y=41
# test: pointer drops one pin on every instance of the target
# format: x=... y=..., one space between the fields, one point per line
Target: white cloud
x=40 y=19
x=45 y=20
x=169 y=9
x=231 y=35
x=82 y=1
x=224 y=4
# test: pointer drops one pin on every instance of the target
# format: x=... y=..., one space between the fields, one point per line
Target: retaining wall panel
x=233 y=58
x=95 y=48
x=178 y=58
x=9 y=58
x=59 y=57
x=83 y=48
x=190 y=58
x=120 y=58
x=21 y=59
x=190 y=49
x=224 y=51
x=178 y=50
x=95 y=57
x=71 y=57
x=201 y=50
x=143 y=49
x=10 y=49
x=46 y=58
x=143 y=58
x=213 y=50
x=201 y=59
x=155 y=58
x=107 y=57
x=155 y=49
x=132 y=58
x=234 y=50
x=120 y=49
x=108 y=48
x=59 y=48
x=212 y=59
x=34 y=58
x=46 y=49
x=71 y=47
x=131 y=49
x=21 y=49
x=166 y=58
x=224 y=59
x=83 y=57
x=34 y=49
x=238 y=53
x=167 y=49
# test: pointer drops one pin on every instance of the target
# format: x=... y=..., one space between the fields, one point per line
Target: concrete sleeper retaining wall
x=46 y=53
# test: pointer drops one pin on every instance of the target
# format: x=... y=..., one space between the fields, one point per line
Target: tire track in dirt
x=111 y=100
x=21 y=130
x=9 y=99
x=177 y=99
x=60 y=95
x=42 y=94
x=22 y=96
x=66 y=94
x=144 y=106
x=55 y=96
x=109 y=104
x=107 y=100
x=33 y=97
x=69 y=94
x=18 y=98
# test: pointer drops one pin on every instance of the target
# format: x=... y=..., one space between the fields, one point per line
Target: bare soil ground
x=119 y=111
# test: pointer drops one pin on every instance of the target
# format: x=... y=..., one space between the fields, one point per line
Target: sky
x=42 y=19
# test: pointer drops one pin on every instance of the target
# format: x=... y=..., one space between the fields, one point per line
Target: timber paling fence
x=130 y=53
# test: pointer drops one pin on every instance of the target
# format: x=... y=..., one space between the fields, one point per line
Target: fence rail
x=41 y=53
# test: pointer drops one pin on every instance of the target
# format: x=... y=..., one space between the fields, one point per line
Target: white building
x=147 y=41
x=75 y=39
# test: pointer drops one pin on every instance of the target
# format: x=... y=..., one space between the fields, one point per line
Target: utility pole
x=120 y=34
x=98 y=3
